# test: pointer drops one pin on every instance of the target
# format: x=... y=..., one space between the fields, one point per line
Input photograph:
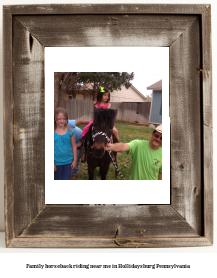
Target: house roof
x=138 y=92
x=87 y=87
x=156 y=86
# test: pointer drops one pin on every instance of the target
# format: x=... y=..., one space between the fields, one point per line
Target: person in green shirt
x=146 y=156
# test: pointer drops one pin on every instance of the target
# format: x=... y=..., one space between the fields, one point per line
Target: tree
x=149 y=97
x=71 y=82
x=62 y=82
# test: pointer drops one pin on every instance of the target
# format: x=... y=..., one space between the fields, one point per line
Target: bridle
x=109 y=152
x=100 y=133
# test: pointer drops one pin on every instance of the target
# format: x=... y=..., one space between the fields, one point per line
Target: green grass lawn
x=127 y=132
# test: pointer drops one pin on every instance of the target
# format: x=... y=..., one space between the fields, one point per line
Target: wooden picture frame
x=186 y=30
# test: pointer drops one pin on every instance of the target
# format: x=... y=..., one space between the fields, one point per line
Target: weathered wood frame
x=186 y=30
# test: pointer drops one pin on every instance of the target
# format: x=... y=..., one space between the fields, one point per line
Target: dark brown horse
x=100 y=133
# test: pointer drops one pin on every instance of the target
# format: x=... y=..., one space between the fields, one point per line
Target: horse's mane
x=104 y=116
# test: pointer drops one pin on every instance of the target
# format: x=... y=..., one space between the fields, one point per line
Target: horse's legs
x=91 y=173
x=103 y=172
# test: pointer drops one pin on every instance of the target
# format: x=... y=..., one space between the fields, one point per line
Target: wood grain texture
x=206 y=66
x=186 y=30
x=185 y=115
x=28 y=125
x=132 y=111
x=8 y=125
x=34 y=242
x=106 y=9
x=207 y=119
x=208 y=182
x=107 y=30
x=118 y=106
x=108 y=221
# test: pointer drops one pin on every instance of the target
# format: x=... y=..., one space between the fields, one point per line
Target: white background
x=141 y=60
x=202 y=259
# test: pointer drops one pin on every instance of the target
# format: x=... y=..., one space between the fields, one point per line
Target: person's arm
x=55 y=168
x=109 y=106
x=79 y=122
x=79 y=144
x=118 y=147
x=74 y=147
x=160 y=176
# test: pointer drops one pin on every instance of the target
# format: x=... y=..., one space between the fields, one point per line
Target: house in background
x=124 y=95
x=156 y=103
x=85 y=92
x=132 y=105
x=127 y=95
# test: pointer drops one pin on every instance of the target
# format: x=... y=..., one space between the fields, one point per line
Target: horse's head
x=102 y=130
x=100 y=136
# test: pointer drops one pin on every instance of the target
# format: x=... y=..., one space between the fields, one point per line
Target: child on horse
x=103 y=98
x=65 y=149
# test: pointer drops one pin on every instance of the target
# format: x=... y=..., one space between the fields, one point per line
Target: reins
x=115 y=166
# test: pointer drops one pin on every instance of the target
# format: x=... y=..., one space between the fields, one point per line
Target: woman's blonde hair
x=57 y=111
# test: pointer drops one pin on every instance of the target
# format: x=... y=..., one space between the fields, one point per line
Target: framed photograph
x=149 y=64
x=187 y=219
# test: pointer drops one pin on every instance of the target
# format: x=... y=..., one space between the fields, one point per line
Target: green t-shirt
x=146 y=162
